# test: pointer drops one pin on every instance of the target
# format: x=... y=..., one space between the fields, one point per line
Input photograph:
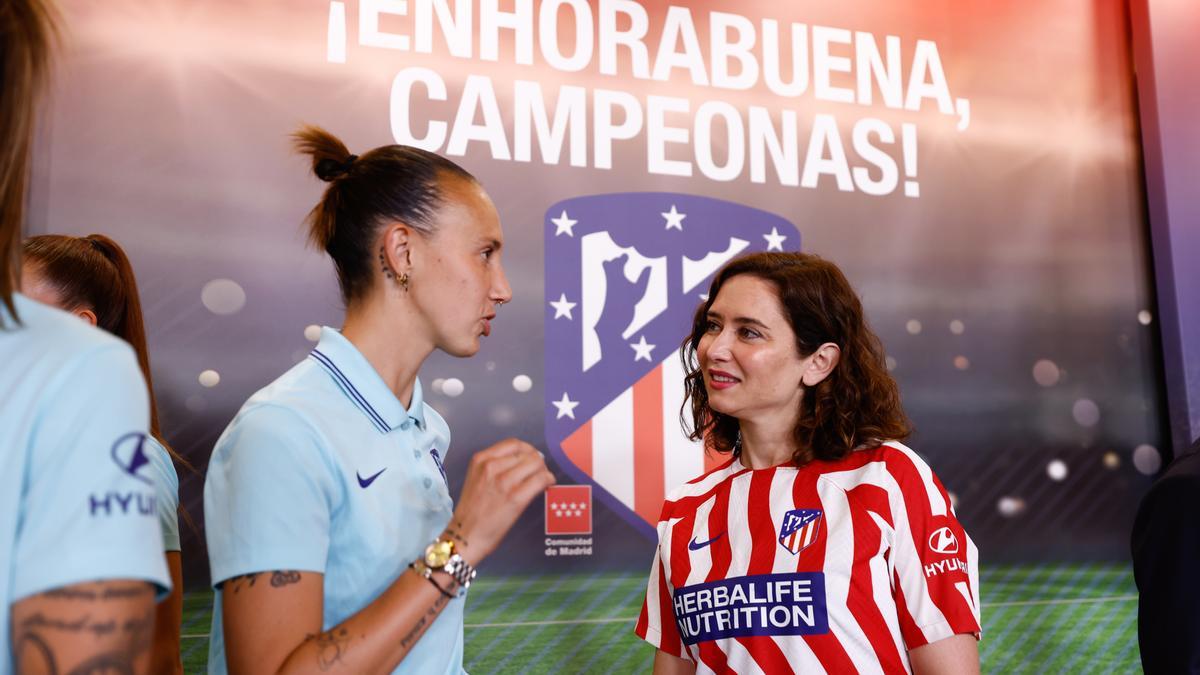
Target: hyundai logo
x=129 y=454
x=943 y=541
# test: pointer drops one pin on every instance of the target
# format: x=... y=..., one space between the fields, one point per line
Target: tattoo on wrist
x=409 y=640
x=331 y=646
x=454 y=531
x=284 y=577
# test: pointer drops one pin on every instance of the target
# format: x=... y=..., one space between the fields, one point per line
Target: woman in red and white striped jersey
x=823 y=544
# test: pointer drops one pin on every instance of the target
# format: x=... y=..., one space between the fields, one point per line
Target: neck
x=767 y=442
x=377 y=329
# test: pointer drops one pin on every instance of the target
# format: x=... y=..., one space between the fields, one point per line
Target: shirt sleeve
x=88 y=501
x=656 y=623
x=166 y=487
x=268 y=497
x=935 y=564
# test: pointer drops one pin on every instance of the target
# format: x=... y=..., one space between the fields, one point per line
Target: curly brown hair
x=858 y=404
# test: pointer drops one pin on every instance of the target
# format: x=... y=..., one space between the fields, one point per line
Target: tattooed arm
x=273 y=620
x=273 y=624
x=85 y=629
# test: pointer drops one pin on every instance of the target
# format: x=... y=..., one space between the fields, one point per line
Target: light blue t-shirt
x=166 y=488
x=77 y=496
x=325 y=471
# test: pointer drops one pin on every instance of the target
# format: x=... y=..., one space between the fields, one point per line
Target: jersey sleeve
x=656 y=623
x=268 y=496
x=935 y=565
x=88 y=501
x=166 y=487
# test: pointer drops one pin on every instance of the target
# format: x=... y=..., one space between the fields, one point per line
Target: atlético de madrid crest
x=624 y=275
x=799 y=529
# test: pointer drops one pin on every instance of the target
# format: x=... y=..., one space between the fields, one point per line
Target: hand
x=501 y=481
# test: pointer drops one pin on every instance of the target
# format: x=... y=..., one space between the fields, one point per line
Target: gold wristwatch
x=440 y=556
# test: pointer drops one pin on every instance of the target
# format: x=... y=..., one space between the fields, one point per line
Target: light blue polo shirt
x=325 y=471
x=77 y=495
x=166 y=488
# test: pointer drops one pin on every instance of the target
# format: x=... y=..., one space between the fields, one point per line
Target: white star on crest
x=563 y=223
x=641 y=349
x=566 y=407
x=562 y=307
x=774 y=240
x=674 y=218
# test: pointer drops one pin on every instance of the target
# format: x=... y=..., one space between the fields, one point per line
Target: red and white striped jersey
x=836 y=567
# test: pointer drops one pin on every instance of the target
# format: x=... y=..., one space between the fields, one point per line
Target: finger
x=529 y=465
x=534 y=486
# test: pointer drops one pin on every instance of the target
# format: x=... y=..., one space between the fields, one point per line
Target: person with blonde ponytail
x=333 y=540
x=81 y=554
x=91 y=278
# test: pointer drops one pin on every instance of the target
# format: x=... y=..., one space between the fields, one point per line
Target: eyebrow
x=742 y=320
x=495 y=244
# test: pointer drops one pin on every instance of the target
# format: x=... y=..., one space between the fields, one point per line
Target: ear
x=397 y=248
x=87 y=315
x=820 y=364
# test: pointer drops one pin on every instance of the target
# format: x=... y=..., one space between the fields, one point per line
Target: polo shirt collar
x=358 y=379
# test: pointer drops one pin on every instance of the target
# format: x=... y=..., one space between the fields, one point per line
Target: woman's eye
x=486 y=253
x=750 y=333
x=712 y=327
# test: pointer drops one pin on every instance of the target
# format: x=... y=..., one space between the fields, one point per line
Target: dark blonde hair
x=857 y=404
x=94 y=273
x=27 y=34
x=389 y=183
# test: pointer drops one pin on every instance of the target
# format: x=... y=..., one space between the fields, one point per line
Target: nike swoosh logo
x=696 y=546
x=365 y=482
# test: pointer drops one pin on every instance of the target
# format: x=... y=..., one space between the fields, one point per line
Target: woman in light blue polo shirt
x=333 y=541
x=80 y=556
x=91 y=277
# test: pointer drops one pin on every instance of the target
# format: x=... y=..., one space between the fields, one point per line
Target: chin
x=463 y=350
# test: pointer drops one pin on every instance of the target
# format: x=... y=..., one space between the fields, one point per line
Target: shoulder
x=1180 y=483
x=687 y=497
x=51 y=340
x=890 y=465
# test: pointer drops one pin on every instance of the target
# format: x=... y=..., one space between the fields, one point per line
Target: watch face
x=438 y=554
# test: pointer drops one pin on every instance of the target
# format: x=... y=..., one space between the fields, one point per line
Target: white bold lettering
x=723 y=50
x=369 y=34
x=401 y=120
x=611 y=37
x=928 y=80
x=889 y=175
x=478 y=96
x=678 y=25
x=519 y=21
x=735 y=142
x=825 y=136
x=455 y=26
x=605 y=131
x=773 y=61
x=658 y=135
x=784 y=151
x=548 y=35
x=825 y=63
x=872 y=64
x=570 y=120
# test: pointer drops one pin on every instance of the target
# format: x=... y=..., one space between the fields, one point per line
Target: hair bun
x=330 y=170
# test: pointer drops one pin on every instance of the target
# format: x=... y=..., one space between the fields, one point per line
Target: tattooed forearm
x=409 y=640
x=284 y=577
x=331 y=646
x=454 y=531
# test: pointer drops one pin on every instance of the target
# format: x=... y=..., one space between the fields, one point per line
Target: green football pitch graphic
x=1067 y=618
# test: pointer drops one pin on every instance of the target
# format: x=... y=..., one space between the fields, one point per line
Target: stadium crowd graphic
x=613 y=343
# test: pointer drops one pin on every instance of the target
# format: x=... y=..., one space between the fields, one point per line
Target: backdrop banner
x=975 y=172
